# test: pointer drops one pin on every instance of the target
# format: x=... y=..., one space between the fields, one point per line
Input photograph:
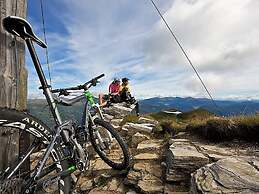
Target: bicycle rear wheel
x=115 y=153
x=17 y=172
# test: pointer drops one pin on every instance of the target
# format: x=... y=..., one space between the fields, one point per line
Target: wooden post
x=13 y=80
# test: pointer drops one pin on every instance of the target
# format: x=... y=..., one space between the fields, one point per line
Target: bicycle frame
x=61 y=129
x=58 y=130
x=46 y=89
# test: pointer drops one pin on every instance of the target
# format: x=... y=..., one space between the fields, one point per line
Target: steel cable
x=45 y=39
x=186 y=56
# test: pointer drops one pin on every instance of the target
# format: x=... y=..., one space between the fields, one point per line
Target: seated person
x=113 y=96
x=114 y=89
x=125 y=95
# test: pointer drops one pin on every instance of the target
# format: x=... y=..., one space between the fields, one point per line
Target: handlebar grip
x=98 y=77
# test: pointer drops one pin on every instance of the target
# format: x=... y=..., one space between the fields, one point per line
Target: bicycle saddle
x=20 y=27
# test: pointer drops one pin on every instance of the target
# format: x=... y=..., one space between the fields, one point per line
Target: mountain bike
x=54 y=154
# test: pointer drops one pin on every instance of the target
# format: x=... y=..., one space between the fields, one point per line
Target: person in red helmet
x=114 y=89
x=113 y=96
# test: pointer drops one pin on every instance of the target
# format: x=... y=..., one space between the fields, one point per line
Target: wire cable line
x=186 y=56
x=45 y=39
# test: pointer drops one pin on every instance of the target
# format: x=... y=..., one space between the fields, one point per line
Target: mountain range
x=38 y=107
x=220 y=107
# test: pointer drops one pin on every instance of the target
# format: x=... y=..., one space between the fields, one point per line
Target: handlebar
x=85 y=86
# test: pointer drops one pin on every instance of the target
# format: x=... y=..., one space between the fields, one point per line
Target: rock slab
x=182 y=159
x=230 y=175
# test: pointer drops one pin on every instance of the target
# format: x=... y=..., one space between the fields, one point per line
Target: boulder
x=150 y=184
x=135 y=127
x=149 y=168
x=131 y=192
x=180 y=135
x=116 y=122
x=146 y=157
x=178 y=141
x=113 y=184
x=174 y=189
x=99 y=191
x=108 y=117
x=183 y=158
x=133 y=178
x=118 y=110
x=145 y=182
x=216 y=153
x=85 y=184
x=137 y=138
x=98 y=166
x=150 y=146
x=143 y=120
x=124 y=131
x=230 y=175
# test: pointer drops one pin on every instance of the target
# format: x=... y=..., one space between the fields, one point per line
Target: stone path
x=160 y=166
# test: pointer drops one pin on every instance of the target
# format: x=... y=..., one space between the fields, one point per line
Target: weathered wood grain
x=13 y=80
x=13 y=75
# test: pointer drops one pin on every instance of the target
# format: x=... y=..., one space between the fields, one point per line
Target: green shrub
x=197 y=114
x=222 y=129
x=208 y=126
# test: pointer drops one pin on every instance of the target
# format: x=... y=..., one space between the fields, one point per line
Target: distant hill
x=227 y=107
x=38 y=107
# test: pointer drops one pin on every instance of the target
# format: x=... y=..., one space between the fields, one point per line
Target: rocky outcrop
x=133 y=128
x=185 y=156
x=144 y=120
x=145 y=174
x=137 y=138
x=119 y=110
x=152 y=146
x=182 y=159
x=230 y=175
x=162 y=166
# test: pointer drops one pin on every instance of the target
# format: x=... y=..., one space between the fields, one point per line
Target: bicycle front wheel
x=17 y=171
x=109 y=145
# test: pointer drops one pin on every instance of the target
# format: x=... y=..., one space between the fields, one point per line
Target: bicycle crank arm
x=49 y=181
x=57 y=177
x=47 y=170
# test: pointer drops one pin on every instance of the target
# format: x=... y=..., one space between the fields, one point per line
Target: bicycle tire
x=126 y=156
x=30 y=124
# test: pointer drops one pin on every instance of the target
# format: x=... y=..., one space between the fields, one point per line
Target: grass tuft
x=129 y=119
x=208 y=126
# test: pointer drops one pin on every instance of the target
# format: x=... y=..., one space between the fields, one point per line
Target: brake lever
x=94 y=82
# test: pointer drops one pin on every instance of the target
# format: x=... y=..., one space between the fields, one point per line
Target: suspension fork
x=88 y=120
x=99 y=112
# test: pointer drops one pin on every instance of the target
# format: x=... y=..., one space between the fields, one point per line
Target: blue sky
x=127 y=38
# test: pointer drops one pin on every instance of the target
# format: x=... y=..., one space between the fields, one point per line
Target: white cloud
x=221 y=38
x=127 y=38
